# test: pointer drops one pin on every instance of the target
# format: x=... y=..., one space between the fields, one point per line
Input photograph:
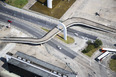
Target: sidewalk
x=83 y=9
x=29 y=4
x=7 y=48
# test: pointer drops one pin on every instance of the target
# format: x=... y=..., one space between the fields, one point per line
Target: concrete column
x=49 y=3
x=64 y=30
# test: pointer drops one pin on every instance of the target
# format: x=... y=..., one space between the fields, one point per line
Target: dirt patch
x=59 y=7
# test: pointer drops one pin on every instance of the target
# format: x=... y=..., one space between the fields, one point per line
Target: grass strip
x=17 y=3
x=60 y=36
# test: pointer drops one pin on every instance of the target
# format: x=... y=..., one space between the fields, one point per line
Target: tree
x=97 y=43
x=89 y=42
x=84 y=51
x=89 y=48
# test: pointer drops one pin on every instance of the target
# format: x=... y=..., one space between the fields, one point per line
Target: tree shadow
x=114 y=44
x=113 y=57
x=44 y=3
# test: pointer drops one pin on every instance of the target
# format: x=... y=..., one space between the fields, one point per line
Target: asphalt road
x=40 y=21
x=35 y=32
x=27 y=17
x=65 y=50
x=81 y=34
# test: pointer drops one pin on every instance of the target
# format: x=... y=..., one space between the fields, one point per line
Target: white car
x=76 y=34
x=59 y=47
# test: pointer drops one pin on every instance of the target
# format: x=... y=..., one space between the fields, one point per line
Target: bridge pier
x=64 y=30
x=49 y=4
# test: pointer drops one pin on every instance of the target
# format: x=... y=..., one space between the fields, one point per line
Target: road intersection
x=38 y=34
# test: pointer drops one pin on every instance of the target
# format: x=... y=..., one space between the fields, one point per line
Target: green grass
x=69 y=40
x=17 y=3
x=92 y=47
x=112 y=64
x=45 y=29
x=60 y=36
x=59 y=7
x=90 y=53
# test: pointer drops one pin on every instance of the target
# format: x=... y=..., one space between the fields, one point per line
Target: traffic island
x=69 y=40
x=60 y=36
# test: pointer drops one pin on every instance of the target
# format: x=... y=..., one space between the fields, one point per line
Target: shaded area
x=29 y=66
x=43 y=2
x=86 y=26
x=114 y=44
x=113 y=57
x=21 y=72
x=2 y=45
x=59 y=7
x=5 y=65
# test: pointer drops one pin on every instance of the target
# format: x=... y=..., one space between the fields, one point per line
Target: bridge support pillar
x=49 y=3
x=64 y=30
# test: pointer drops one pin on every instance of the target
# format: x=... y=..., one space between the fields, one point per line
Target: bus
x=103 y=55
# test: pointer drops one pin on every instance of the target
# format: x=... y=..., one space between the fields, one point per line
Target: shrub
x=84 y=51
x=89 y=48
x=92 y=46
x=89 y=42
x=97 y=43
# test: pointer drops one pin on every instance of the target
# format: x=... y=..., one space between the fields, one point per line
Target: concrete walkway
x=85 y=9
x=8 y=47
x=55 y=31
x=29 y=4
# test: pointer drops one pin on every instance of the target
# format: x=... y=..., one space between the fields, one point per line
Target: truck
x=108 y=49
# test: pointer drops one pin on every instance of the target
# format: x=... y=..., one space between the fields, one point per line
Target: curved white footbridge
x=61 y=26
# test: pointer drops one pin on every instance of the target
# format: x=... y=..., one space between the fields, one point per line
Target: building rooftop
x=38 y=67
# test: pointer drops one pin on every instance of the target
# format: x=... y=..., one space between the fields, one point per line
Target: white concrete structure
x=64 y=30
x=49 y=3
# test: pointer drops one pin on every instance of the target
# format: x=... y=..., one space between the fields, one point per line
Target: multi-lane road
x=26 y=17
x=36 y=32
x=46 y=23
x=68 y=52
